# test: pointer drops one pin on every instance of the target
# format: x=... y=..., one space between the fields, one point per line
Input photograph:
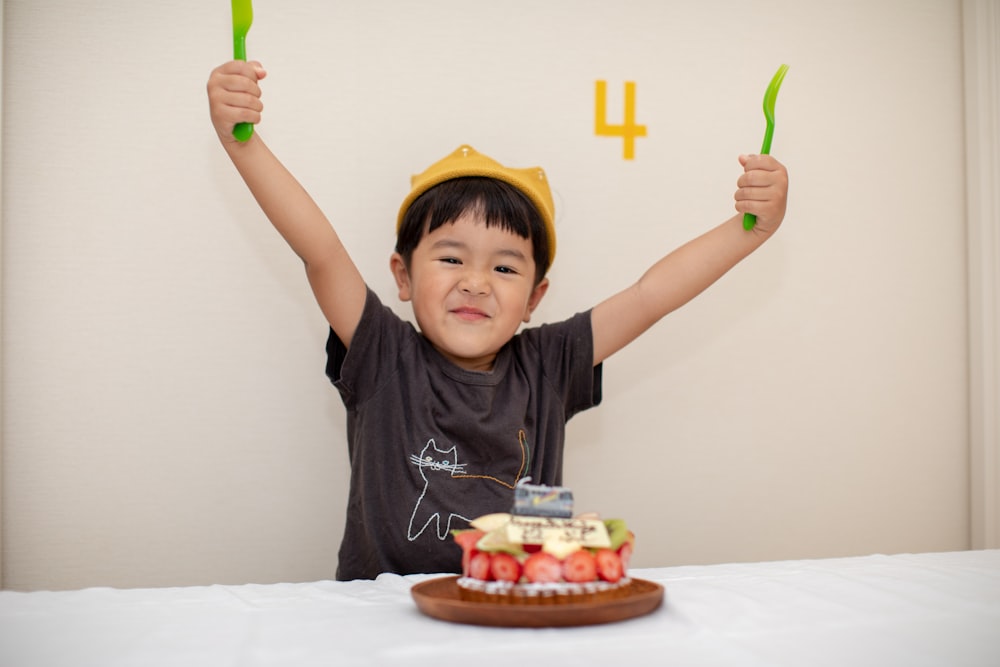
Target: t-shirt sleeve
x=359 y=371
x=566 y=351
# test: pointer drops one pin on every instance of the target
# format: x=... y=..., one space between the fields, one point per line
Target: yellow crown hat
x=467 y=161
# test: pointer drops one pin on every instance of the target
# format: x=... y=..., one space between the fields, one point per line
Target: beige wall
x=166 y=419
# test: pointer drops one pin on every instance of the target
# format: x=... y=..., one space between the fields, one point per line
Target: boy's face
x=471 y=287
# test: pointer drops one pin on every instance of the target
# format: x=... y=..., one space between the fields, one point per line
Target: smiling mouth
x=470 y=314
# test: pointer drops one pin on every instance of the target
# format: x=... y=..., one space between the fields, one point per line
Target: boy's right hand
x=234 y=96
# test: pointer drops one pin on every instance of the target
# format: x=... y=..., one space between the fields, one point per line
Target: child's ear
x=536 y=298
x=402 y=276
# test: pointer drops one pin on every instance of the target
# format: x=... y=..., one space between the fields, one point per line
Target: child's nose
x=475 y=283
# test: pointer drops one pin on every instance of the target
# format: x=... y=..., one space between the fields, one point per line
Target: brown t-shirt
x=432 y=445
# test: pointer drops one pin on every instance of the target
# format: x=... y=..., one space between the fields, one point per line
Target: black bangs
x=499 y=203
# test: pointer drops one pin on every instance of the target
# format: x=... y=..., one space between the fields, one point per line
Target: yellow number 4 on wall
x=628 y=130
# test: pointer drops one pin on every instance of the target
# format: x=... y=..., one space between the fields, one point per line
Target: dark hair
x=500 y=204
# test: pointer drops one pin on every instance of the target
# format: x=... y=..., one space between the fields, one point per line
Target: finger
x=764 y=209
x=243 y=67
x=760 y=178
x=245 y=115
x=763 y=178
x=248 y=102
x=755 y=208
x=228 y=109
x=258 y=69
x=761 y=162
x=750 y=179
x=239 y=83
x=238 y=75
x=755 y=194
x=233 y=89
x=233 y=97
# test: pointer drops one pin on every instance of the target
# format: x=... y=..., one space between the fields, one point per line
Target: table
x=909 y=609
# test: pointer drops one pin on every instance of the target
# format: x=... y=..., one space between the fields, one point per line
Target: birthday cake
x=540 y=553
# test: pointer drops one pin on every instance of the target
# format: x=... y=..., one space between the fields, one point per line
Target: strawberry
x=479 y=566
x=531 y=548
x=580 y=566
x=542 y=567
x=625 y=553
x=504 y=567
x=467 y=538
x=609 y=565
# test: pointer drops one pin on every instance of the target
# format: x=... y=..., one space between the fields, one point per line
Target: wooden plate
x=441 y=599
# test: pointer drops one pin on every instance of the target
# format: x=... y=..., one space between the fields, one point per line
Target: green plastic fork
x=242 y=20
x=770 y=95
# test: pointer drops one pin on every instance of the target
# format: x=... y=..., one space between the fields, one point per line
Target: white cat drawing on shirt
x=441 y=466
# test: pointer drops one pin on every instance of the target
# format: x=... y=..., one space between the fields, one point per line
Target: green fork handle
x=242 y=131
x=749 y=219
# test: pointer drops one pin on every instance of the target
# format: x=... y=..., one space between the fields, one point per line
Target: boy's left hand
x=762 y=189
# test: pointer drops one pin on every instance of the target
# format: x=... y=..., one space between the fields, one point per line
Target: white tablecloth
x=908 y=610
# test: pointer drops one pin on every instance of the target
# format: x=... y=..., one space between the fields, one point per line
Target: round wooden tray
x=441 y=599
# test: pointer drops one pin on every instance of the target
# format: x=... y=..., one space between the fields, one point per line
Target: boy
x=443 y=422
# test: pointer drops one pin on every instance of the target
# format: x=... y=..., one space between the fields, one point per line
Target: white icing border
x=545 y=589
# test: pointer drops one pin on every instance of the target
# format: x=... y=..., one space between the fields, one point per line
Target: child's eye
x=505 y=269
x=450 y=260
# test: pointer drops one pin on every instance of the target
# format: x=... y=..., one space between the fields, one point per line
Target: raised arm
x=687 y=271
x=234 y=97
